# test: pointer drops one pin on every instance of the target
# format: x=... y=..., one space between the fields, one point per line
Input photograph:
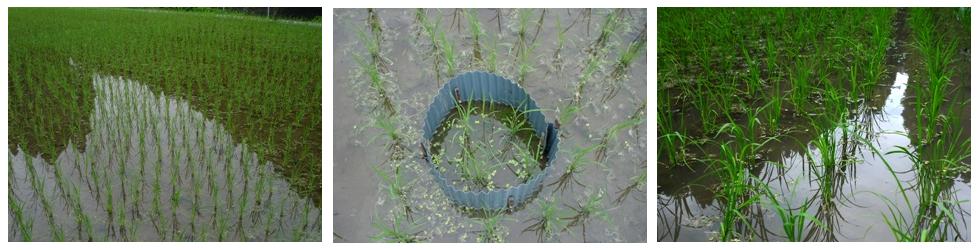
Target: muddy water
x=154 y=169
x=687 y=209
x=359 y=199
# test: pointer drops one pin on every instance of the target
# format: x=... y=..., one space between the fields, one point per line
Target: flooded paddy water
x=584 y=68
x=882 y=172
x=153 y=169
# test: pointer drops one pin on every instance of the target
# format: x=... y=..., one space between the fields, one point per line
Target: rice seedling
x=397 y=189
x=396 y=232
x=800 y=76
x=613 y=133
x=793 y=219
x=548 y=223
x=576 y=166
x=492 y=231
x=636 y=183
x=557 y=62
x=476 y=31
x=735 y=191
x=25 y=226
x=587 y=209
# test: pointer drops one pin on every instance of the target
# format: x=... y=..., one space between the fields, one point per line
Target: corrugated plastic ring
x=487 y=87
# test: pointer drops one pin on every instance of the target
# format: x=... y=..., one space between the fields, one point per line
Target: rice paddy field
x=584 y=68
x=162 y=125
x=813 y=124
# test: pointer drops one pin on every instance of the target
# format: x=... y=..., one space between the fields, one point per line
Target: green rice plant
x=736 y=192
x=397 y=189
x=476 y=31
x=771 y=57
x=753 y=83
x=800 y=77
x=793 y=219
x=397 y=232
x=613 y=132
x=774 y=108
x=493 y=231
x=576 y=166
x=557 y=62
x=636 y=183
x=448 y=55
x=703 y=104
x=587 y=209
x=547 y=223
x=25 y=225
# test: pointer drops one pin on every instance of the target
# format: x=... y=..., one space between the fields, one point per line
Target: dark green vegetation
x=259 y=78
x=774 y=111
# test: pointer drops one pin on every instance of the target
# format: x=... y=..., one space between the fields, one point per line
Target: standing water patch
x=153 y=169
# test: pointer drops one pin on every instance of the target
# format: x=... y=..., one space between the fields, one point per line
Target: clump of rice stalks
x=576 y=166
x=800 y=77
x=547 y=224
x=24 y=225
x=794 y=219
x=613 y=132
x=636 y=183
x=476 y=31
x=397 y=232
x=589 y=208
x=493 y=231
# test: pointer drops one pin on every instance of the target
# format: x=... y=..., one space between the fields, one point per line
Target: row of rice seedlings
x=397 y=189
x=557 y=64
x=24 y=225
x=597 y=50
x=377 y=67
x=933 y=217
x=620 y=71
x=938 y=54
x=591 y=207
x=440 y=48
x=524 y=48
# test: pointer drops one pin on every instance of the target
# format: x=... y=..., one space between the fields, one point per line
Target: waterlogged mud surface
x=153 y=169
x=364 y=208
x=862 y=188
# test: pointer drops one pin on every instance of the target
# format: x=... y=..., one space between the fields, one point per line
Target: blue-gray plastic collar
x=483 y=86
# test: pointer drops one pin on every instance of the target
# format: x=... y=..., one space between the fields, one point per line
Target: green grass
x=258 y=77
